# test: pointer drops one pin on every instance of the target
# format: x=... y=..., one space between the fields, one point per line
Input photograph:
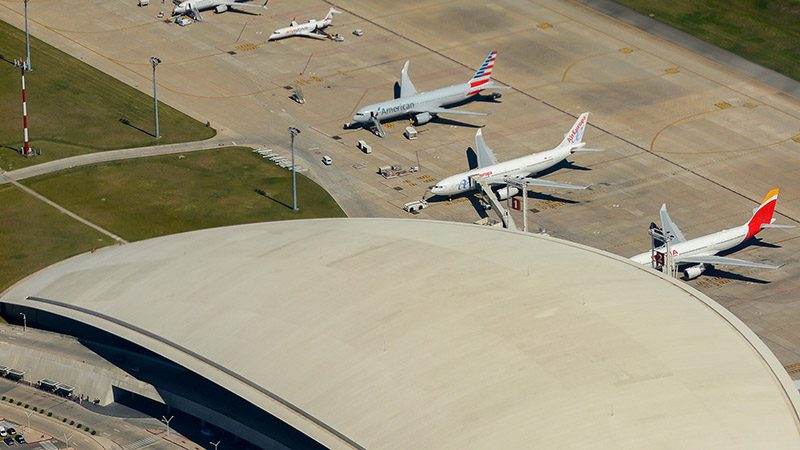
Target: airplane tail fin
x=575 y=134
x=331 y=12
x=482 y=76
x=762 y=215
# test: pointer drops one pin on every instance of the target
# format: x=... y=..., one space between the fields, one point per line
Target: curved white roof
x=381 y=333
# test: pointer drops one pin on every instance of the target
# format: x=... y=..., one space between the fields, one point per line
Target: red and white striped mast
x=26 y=150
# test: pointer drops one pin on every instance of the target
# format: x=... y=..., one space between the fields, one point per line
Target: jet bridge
x=486 y=190
x=662 y=261
x=505 y=213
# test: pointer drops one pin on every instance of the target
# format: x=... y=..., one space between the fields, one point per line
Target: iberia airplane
x=697 y=254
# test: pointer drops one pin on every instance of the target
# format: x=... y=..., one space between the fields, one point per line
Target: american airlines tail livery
x=520 y=169
x=696 y=255
x=423 y=106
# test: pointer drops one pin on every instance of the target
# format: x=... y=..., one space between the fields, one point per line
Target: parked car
x=3 y=432
x=9 y=442
x=11 y=431
x=20 y=439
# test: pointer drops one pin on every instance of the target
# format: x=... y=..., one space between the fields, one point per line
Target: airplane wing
x=485 y=154
x=311 y=35
x=553 y=184
x=503 y=179
x=723 y=261
x=447 y=111
x=406 y=86
x=237 y=4
x=669 y=226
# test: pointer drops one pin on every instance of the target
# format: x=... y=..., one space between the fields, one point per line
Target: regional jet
x=519 y=170
x=193 y=7
x=698 y=254
x=312 y=28
x=423 y=106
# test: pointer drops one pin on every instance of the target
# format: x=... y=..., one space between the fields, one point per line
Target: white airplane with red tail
x=519 y=169
x=311 y=29
x=698 y=254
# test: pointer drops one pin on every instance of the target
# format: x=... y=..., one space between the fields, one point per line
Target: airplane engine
x=506 y=192
x=422 y=118
x=690 y=273
x=220 y=8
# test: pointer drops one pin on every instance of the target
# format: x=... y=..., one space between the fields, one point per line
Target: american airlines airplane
x=698 y=253
x=423 y=106
x=312 y=28
x=193 y=7
x=519 y=169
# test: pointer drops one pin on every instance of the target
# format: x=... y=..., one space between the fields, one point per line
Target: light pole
x=27 y=41
x=294 y=132
x=24 y=322
x=167 y=421
x=155 y=60
x=215 y=444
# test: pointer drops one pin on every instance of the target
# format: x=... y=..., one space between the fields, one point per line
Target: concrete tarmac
x=677 y=127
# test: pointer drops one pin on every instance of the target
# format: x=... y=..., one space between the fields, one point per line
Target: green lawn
x=74 y=108
x=34 y=235
x=763 y=31
x=142 y=198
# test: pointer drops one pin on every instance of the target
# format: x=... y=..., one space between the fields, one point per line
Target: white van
x=327 y=160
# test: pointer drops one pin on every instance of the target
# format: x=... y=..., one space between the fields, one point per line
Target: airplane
x=312 y=28
x=699 y=253
x=193 y=7
x=518 y=169
x=423 y=106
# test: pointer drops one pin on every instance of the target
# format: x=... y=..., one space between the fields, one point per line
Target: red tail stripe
x=478 y=83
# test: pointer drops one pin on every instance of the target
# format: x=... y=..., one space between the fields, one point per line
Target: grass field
x=763 y=31
x=34 y=235
x=147 y=197
x=74 y=108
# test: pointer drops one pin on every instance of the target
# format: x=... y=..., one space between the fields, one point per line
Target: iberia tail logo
x=763 y=214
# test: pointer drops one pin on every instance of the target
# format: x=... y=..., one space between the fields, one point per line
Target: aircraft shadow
x=458 y=123
x=719 y=273
x=242 y=11
x=551 y=198
x=562 y=165
x=756 y=242
x=472 y=158
x=483 y=98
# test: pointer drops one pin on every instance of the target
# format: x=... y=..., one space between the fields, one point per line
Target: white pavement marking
x=142 y=443
x=47 y=445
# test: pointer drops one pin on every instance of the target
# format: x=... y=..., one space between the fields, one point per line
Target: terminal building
x=401 y=334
